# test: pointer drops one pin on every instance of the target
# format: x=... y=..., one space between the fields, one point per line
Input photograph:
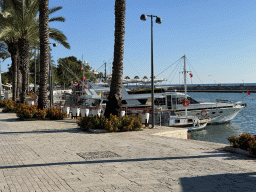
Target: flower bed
x=8 y=105
x=113 y=123
x=244 y=141
x=24 y=111
x=55 y=113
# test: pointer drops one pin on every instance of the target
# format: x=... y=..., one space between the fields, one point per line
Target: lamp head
x=143 y=17
x=158 y=20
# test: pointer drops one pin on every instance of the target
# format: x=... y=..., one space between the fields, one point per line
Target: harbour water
x=245 y=121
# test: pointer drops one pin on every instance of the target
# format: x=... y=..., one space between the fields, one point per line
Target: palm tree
x=19 y=17
x=29 y=31
x=44 y=52
x=145 y=77
x=127 y=77
x=136 y=77
x=10 y=40
x=115 y=96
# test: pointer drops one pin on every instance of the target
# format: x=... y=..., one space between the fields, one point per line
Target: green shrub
x=234 y=140
x=4 y=102
x=55 y=113
x=244 y=141
x=8 y=105
x=113 y=123
x=25 y=111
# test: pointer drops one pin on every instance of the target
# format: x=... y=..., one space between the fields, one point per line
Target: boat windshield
x=181 y=99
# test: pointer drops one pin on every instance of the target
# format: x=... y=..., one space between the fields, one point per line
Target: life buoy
x=185 y=103
x=203 y=113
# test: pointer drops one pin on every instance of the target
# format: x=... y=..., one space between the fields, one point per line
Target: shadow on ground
x=232 y=155
x=221 y=182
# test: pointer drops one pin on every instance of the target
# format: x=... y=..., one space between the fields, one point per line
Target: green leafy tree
x=69 y=69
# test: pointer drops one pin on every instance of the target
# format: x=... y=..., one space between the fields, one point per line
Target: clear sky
x=218 y=37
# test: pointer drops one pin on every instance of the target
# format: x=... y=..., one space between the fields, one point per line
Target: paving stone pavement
x=48 y=156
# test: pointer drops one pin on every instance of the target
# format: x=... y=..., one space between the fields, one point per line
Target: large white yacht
x=220 y=111
x=181 y=104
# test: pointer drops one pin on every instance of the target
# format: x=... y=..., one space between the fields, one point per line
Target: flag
x=248 y=93
x=191 y=75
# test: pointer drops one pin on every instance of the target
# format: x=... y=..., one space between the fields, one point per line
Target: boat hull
x=224 y=114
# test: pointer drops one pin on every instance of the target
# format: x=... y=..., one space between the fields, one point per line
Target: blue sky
x=217 y=36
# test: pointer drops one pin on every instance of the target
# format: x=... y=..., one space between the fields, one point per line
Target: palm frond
x=54 y=9
x=62 y=19
x=59 y=37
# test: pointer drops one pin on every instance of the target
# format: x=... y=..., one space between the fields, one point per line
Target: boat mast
x=185 y=83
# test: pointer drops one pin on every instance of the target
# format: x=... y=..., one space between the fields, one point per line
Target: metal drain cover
x=98 y=154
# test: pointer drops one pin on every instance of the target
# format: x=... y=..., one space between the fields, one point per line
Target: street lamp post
x=1 y=78
x=159 y=21
x=51 y=87
x=35 y=74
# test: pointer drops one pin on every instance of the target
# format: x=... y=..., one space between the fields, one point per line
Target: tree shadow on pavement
x=220 y=182
x=99 y=161
x=71 y=130
x=232 y=155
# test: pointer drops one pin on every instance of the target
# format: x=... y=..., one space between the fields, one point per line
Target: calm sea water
x=245 y=121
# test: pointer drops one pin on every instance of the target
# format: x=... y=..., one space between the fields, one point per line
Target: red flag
x=191 y=75
x=83 y=78
x=248 y=93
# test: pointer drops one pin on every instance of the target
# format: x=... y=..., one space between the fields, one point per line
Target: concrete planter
x=75 y=111
x=31 y=102
x=85 y=112
x=96 y=112
x=144 y=117
x=122 y=113
x=66 y=109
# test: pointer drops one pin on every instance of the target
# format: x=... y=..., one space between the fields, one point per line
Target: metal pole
x=105 y=72
x=35 y=74
x=83 y=74
x=0 y=80
x=50 y=80
x=185 y=84
x=152 y=76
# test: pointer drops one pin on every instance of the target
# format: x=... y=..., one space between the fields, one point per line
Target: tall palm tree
x=20 y=20
x=44 y=52
x=115 y=96
x=10 y=40
x=15 y=12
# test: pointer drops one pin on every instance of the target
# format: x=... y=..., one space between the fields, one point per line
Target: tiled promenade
x=47 y=156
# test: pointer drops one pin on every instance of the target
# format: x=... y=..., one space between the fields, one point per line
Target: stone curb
x=237 y=150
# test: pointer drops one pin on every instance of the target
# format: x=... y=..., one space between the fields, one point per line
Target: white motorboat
x=220 y=111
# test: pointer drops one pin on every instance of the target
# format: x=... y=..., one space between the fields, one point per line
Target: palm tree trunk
x=115 y=96
x=13 y=50
x=23 y=44
x=19 y=79
x=44 y=52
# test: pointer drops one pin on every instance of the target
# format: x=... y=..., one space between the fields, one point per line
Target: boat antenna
x=185 y=83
